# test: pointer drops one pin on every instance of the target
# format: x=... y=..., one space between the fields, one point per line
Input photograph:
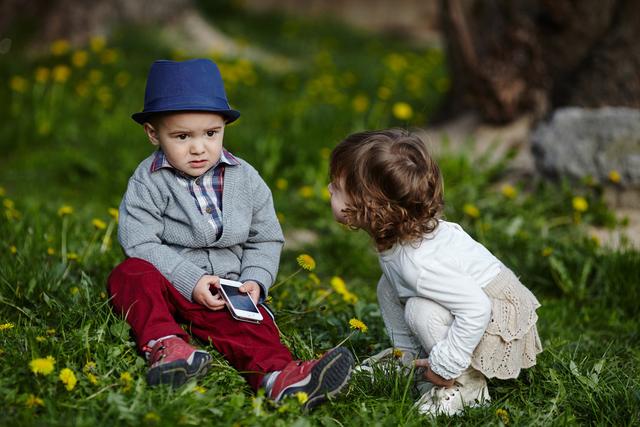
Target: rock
x=577 y=143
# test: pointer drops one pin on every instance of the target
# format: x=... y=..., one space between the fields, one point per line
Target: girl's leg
x=427 y=320
x=393 y=314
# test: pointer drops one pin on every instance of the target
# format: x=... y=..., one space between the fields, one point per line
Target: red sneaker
x=319 y=379
x=173 y=361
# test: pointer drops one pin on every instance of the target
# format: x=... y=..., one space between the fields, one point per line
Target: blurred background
x=532 y=108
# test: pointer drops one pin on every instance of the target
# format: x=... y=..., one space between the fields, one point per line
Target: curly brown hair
x=393 y=187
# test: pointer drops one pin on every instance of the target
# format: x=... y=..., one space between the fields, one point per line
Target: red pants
x=154 y=309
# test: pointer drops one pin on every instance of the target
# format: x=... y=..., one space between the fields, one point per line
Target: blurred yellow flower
x=97 y=43
x=579 y=204
x=306 y=262
x=151 y=417
x=60 y=47
x=508 y=191
x=471 y=210
x=397 y=353
x=40 y=338
x=126 y=381
x=360 y=103
x=51 y=251
x=306 y=191
x=547 y=251
x=82 y=88
x=282 y=184
x=113 y=212
x=72 y=256
x=18 y=84
x=396 y=62
x=2 y=191
x=79 y=58
x=199 y=389
x=104 y=95
x=68 y=378
x=324 y=194
x=122 y=78
x=61 y=73
x=359 y=325
x=92 y=378
x=99 y=224
x=596 y=240
x=384 y=92
x=340 y=287
x=13 y=249
x=89 y=367
x=74 y=290
x=302 y=397
x=503 y=415
x=65 y=210
x=51 y=331
x=8 y=203
x=402 y=111
x=42 y=74
x=95 y=76
x=314 y=278
x=109 y=56
x=33 y=401
x=614 y=176
x=5 y=326
x=42 y=365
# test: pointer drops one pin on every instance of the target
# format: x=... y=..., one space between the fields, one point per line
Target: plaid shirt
x=205 y=189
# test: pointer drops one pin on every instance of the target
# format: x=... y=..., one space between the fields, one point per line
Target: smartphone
x=240 y=304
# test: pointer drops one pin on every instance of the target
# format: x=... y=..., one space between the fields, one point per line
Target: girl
x=441 y=294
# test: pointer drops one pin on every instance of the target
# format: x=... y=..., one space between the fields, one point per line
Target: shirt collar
x=160 y=160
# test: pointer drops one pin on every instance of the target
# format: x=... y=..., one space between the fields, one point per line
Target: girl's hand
x=202 y=293
x=253 y=289
x=431 y=376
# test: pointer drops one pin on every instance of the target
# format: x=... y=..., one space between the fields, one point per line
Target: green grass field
x=69 y=146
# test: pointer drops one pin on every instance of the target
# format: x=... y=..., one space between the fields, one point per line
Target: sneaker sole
x=328 y=378
x=179 y=372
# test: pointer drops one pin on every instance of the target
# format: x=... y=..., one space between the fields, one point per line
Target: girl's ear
x=152 y=133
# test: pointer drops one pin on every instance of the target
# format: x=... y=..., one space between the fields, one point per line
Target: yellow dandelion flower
x=306 y=262
x=42 y=74
x=65 y=210
x=68 y=378
x=349 y=298
x=109 y=56
x=89 y=367
x=547 y=251
x=79 y=58
x=8 y=203
x=360 y=103
x=61 y=73
x=60 y=47
x=614 y=176
x=72 y=256
x=74 y=290
x=33 y=401
x=13 y=249
x=18 y=84
x=92 y=378
x=113 y=213
x=402 y=111
x=199 y=389
x=503 y=415
x=51 y=331
x=97 y=43
x=103 y=295
x=471 y=210
x=579 y=204
x=43 y=365
x=302 y=397
x=397 y=353
x=359 y=325
x=508 y=191
x=314 y=278
x=126 y=380
x=338 y=284
x=384 y=93
x=122 y=79
x=99 y=224
x=596 y=240
x=282 y=184
x=51 y=251
x=6 y=326
x=95 y=76
x=306 y=191
x=151 y=417
x=40 y=338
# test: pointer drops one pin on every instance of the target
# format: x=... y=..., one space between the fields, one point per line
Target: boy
x=194 y=213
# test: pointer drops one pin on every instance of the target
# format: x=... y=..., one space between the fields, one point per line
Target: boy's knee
x=129 y=270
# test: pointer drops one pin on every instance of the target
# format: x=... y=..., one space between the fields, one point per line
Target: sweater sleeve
x=261 y=250
x=140 y=230
x=448 y=285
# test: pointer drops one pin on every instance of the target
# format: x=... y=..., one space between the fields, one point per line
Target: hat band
x=186 y=102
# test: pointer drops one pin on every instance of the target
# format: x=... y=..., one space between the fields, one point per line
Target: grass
x=69 y=147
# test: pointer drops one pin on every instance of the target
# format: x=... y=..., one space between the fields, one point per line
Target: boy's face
x=338 y=203
x=192 y=141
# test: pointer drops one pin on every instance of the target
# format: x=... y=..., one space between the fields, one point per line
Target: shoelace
x=152 y=354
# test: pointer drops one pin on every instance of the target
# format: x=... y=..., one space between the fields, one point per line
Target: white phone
x=240 y=304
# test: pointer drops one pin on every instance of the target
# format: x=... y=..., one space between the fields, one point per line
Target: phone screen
x=239 y=300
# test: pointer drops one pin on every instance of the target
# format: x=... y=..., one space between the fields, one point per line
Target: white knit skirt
x=511 y=341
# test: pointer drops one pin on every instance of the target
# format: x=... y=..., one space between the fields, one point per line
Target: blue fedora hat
x=193 y=85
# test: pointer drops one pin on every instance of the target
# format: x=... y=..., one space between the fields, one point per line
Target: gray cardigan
x=160 y=223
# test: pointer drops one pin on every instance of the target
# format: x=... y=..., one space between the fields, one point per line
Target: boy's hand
x=202 y=293
x=252 y=288
x=431 y=376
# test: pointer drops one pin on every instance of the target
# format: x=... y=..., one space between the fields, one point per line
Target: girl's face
x=338 y=203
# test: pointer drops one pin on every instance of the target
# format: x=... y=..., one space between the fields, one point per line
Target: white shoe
x=388 y=360
x=469 y=390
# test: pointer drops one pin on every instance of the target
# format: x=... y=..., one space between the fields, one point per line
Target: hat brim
x=228 y=114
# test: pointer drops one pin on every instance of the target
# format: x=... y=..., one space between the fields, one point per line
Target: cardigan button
x=208 y=210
